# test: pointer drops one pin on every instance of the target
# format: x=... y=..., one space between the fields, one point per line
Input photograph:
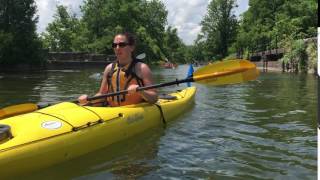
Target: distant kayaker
x=126 y=73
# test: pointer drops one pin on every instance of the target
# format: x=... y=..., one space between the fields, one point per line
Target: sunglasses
x=121 y=45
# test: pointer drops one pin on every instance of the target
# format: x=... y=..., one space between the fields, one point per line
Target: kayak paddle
x=218 y=73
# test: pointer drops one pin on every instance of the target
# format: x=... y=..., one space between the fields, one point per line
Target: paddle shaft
x=176 y=82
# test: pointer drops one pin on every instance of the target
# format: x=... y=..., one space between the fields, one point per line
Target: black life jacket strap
x=131 y=72
x=118 y=84
x=109 y=77
x=162 y=115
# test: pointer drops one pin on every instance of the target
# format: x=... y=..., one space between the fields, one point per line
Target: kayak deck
x=67 y=130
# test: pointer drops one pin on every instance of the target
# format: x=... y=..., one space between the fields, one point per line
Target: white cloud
x=47 y=8
x=185 y=15
x=45 y=12
x=243 y=5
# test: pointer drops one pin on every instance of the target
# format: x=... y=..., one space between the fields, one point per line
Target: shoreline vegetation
x=266 y=25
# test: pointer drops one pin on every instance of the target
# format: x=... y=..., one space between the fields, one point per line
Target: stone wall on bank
x=269 y=65
x=58 y=60
x=78 y=56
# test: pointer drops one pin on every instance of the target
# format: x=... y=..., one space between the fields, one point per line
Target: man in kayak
x=126 y=73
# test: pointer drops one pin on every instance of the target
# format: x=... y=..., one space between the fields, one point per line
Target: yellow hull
x=65 y=131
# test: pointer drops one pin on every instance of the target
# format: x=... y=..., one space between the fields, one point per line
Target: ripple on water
x=65 y=71
x=297 y=112
x=256 y=130
x=97 y=76
x=289 y=126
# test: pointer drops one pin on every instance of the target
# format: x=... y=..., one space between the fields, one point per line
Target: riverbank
x=276 y=66
x=63 y=60
x=269 y=66
x=58 y=60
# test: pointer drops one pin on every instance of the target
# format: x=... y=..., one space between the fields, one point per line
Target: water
x=265 y=129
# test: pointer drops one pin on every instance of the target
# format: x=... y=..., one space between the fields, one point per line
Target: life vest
x=120 y=78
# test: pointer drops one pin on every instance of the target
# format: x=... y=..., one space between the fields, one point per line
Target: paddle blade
x=17 y=109
x=226 y=72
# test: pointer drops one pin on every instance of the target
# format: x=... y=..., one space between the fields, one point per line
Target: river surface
x=264 y=129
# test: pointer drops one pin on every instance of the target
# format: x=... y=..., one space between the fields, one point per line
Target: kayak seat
x=5 y=132
x=167 y=97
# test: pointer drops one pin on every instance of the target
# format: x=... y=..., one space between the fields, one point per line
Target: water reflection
x=123 y=160
x=20 y=87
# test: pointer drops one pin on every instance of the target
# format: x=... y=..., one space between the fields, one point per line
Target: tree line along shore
x=265 y=25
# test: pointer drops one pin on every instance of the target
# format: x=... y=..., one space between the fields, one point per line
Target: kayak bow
x=65 y=131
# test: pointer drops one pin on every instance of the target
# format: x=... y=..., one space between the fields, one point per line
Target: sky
x=185 y=15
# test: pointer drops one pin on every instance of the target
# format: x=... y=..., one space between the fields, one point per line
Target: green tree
x=19 y=42
x=271 y=24
x=219 y=27
x=278 y=24
x=147 y=19
x=200 y=52
x=102 y=19
x=296 y=56
x=62 y=33
x=311 y=51
x=173 y=46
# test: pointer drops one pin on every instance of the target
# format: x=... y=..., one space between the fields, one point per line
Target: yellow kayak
x=66 y=130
